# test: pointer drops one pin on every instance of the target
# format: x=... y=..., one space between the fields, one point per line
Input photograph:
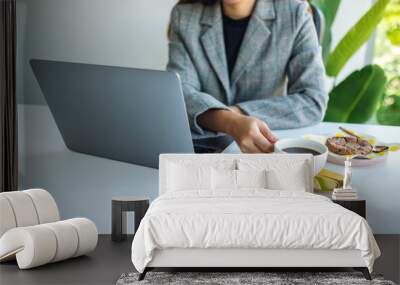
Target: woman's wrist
x=234 y=120
x=226 y=121
x=237 y=110
x=219 y=120
x=231 y=123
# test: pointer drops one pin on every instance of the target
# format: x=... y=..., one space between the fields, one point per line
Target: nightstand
x=121 y=205
x=357 y=206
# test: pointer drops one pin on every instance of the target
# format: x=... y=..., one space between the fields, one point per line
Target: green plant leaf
x=329 y=9
x=389 y=112
x=355 y=38
x=356 y=98
x=393 y=35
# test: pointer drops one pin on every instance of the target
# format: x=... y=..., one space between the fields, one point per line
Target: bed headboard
x=272 y=160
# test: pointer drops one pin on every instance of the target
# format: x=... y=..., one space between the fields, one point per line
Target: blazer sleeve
x=197 y=102
x=306 y=99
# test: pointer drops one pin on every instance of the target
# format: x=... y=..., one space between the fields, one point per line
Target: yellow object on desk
x=327 y=180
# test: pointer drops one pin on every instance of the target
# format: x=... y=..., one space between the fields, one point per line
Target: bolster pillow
x=26 y=208
x=40 y=244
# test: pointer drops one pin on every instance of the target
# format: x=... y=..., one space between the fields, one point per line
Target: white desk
x=378 y=184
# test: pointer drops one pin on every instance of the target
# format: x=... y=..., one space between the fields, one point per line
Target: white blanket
x=250 y=219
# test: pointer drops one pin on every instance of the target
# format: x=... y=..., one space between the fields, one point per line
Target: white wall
x=129 y=33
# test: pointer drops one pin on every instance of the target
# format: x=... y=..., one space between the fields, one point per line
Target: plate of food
x=363 y=149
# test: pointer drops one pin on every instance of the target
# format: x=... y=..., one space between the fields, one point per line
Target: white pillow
x=283 y=172
x=236 y=179
x=184 y=177
x=293 y=180
x=223 y=179
x=251 y=178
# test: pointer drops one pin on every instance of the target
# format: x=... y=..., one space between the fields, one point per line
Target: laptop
x=125 y=114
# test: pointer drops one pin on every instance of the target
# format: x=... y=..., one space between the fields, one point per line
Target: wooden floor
x=110 y=260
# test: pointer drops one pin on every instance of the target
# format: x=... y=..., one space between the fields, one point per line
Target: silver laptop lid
x=125 y=114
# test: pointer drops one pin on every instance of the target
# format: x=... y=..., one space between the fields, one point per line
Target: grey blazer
x=278 y=76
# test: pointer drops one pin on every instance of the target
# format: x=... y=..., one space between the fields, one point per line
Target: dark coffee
x=301 y=150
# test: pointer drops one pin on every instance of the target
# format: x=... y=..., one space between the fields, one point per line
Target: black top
x=234 y=31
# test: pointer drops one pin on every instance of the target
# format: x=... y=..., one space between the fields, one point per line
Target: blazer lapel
x=256 y=36
x=213 y=44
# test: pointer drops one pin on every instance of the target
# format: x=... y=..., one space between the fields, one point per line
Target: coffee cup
x=318 y=150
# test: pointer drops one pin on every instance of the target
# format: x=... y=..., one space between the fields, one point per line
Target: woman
x=247 y=67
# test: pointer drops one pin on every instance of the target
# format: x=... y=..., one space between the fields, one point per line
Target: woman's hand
x=251 y=134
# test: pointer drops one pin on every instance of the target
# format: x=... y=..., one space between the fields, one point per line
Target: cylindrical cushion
x=41 y=244
x=45 y=205
x=23 y=208
x=87 y=233
x=7 y=218
x=26 y=208
x=67 y=239
x=33 y=246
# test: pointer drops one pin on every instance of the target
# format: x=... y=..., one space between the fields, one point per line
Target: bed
x=247 y=211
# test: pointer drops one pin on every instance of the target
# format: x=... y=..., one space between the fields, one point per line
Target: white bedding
x=251 y=218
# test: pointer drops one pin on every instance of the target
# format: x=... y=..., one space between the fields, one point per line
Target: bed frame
x=233 y=259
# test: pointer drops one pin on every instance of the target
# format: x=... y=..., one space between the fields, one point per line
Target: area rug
x=244 y=278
